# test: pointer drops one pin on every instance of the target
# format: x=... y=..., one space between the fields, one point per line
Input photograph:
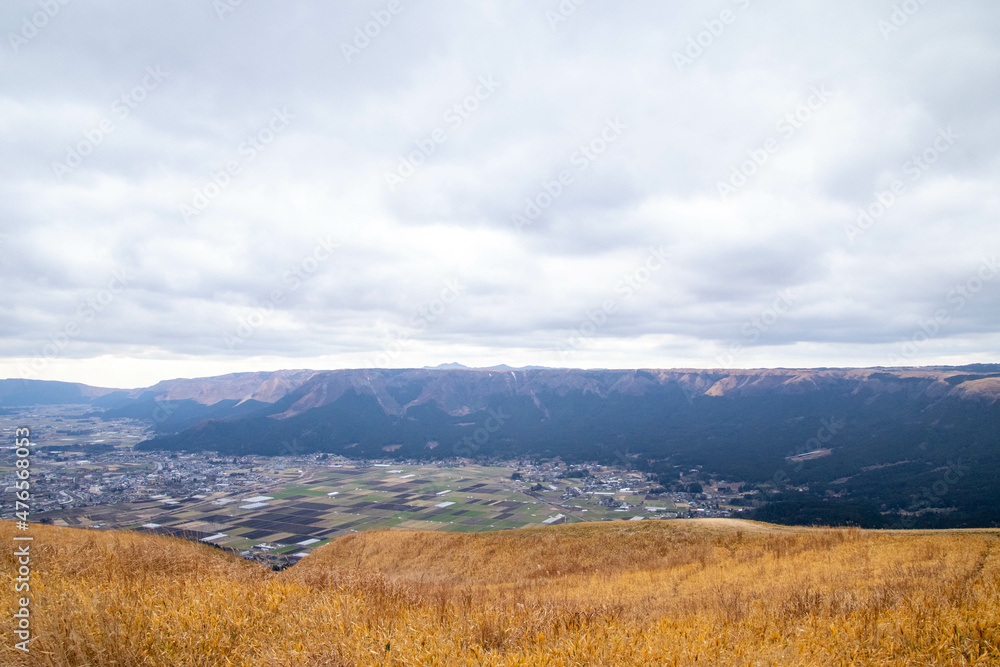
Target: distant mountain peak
x=455 y=366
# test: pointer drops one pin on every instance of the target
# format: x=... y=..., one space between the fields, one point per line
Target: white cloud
x=323 y=176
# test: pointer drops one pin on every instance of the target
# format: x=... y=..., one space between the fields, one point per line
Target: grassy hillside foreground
x=625 y=593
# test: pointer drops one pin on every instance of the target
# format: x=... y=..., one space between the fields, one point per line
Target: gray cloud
x=101 y=156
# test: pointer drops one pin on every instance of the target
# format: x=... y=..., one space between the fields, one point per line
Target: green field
x=327 y=502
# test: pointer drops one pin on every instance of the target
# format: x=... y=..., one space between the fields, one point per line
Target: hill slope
x=679 y=593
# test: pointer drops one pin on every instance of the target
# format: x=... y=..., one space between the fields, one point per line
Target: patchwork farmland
x=316 y=505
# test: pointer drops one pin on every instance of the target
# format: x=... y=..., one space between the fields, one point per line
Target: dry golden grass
x=635 y=593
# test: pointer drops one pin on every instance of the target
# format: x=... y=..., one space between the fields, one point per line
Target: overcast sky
x=192 y=188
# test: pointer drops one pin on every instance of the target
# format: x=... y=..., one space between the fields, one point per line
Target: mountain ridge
x=328 y=385
x=918 y=445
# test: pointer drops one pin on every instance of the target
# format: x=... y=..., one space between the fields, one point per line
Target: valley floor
x=709 y=592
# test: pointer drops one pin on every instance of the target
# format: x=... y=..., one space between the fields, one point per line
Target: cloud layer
x=194 y=188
